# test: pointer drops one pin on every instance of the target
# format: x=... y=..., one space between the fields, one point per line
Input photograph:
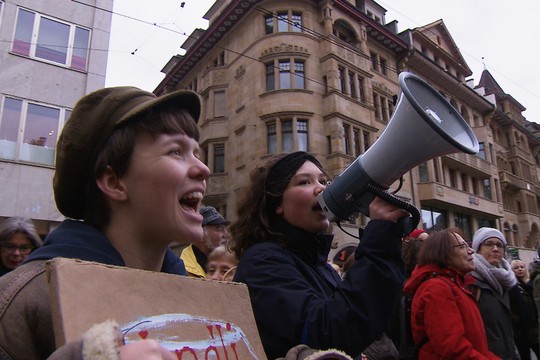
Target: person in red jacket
x=445 y=320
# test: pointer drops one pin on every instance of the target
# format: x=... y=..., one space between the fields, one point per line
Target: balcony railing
x=472 y=161
x=441 y=195
x=512 y=180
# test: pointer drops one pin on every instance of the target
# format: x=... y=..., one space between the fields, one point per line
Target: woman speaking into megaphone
x=282 y=238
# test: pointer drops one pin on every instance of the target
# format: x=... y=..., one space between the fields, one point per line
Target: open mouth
x=191 y=201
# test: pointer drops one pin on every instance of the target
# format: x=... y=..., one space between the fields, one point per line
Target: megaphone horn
x=423 y=126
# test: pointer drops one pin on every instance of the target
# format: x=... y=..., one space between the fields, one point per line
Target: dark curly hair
x=256 y=215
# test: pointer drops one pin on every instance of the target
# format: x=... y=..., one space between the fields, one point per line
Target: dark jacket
x=26 y=324
x=525 y=316
x=497 y=315
x=298 y=299
x=445 y=313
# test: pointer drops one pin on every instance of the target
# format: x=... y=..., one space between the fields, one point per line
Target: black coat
x=298 y=299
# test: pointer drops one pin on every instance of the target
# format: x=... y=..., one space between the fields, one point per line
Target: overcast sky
x=498 y=35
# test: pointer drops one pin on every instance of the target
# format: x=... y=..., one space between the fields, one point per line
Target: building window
x=219 y=158
x=351 y=136
x=383 y=106
x=302 y=126
x=352 y=84
x=378 y=63
x=269 y=24
x=272 y=138
x=486 y=223
x=284 y=74
x=356 y=141
x=296 y=25
x=383 y=67
x=342 y=86
x=287 y=135
x=482 y=151
x=452 y=173
x=423 y=172
x=290 y=74
x=299 y=75
x=463 y=222
x=377 y=106
x=361 y=92
x=465 y=182
x=28 y=131
x=486 y=184
x=44 y=38
x=214 y=156
x=219 y=60
x=283 y=21
x=474 y=182
x=374 y=61
x=270 y=77
x=219 y=104
x=346 y=142
x=365 y=137
x=433 y=218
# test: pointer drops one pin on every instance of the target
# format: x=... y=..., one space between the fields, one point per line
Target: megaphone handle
x=408 y=223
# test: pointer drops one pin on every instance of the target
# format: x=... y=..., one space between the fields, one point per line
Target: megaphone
x=424 y=126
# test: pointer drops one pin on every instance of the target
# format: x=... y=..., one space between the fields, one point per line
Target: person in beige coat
x=128 y=178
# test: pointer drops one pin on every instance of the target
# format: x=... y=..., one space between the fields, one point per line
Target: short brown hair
x=438 y=246
x=117 y=151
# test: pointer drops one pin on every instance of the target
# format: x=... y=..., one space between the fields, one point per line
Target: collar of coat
x=310 y=247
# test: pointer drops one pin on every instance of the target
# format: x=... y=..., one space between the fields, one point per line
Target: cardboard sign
x=192 y=318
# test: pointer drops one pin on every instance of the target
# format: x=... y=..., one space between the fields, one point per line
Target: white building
x=51 y=54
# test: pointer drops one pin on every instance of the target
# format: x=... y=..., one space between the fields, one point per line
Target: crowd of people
x=130 y=182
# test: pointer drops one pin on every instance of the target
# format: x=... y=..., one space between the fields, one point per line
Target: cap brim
x=183 y=99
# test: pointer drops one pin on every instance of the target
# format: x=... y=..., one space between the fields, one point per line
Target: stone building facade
x=322 y=76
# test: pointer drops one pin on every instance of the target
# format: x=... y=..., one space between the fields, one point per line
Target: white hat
x=485 y=233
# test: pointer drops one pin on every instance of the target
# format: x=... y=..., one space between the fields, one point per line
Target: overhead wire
x=305 y=30
x=263 y=10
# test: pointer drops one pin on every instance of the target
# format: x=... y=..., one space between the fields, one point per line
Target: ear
x=279 y=210
x=111 y=186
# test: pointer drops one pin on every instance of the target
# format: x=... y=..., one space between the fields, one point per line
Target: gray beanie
x=485 y=233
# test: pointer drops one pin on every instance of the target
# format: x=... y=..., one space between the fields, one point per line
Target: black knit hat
x=92 y=121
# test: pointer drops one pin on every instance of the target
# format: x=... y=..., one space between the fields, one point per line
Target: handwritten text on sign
x=208 y=338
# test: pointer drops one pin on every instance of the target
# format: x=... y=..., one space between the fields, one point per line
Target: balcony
x=515 y=151
x=512 y=182
x=469 y=161
x=345 y=52
x=441 y=196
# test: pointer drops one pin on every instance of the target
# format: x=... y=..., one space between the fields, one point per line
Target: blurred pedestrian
x=221 y=264
x=18 y=238
x=525 y=315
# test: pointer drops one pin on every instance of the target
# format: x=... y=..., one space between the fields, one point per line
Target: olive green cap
x=92 y=121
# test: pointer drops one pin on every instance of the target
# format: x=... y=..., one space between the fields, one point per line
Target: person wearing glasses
x=494 y=287
x=445 y=319
x=18 y=238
